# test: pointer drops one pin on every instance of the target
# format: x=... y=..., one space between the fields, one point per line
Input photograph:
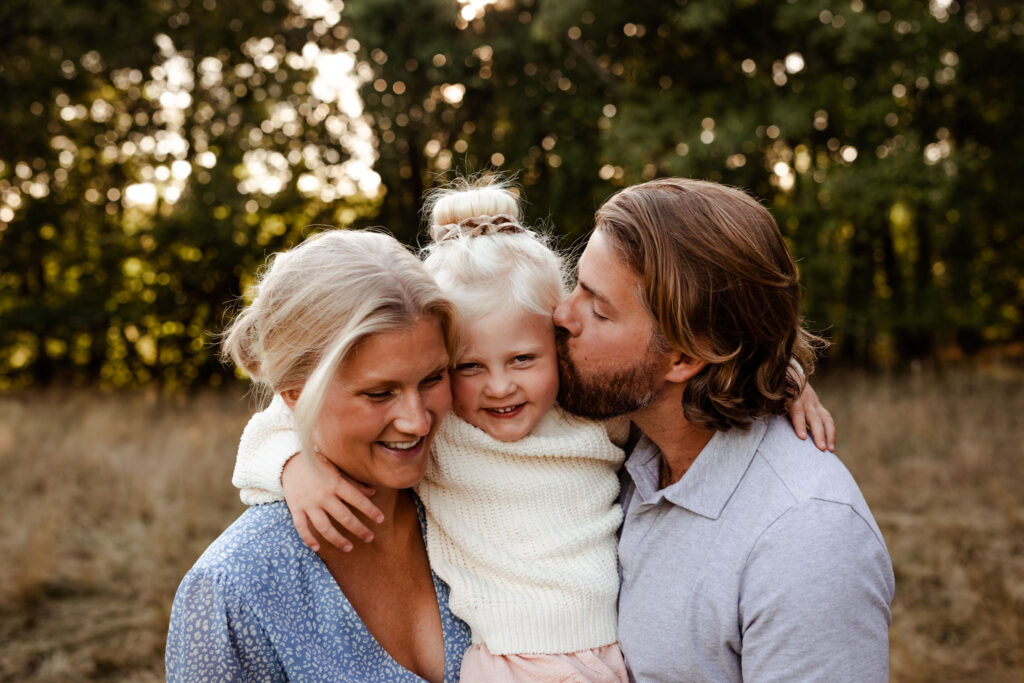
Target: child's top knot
x=476 y=226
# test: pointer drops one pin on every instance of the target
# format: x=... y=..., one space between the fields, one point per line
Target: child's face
x=507 y=378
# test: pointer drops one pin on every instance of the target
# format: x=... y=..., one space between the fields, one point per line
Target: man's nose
x=565 y=316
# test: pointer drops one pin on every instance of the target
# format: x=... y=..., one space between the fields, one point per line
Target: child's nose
x=500 y=384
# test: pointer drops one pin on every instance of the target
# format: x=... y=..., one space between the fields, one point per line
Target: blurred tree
x=882 y=137
x=473 y=87
x=153 y=153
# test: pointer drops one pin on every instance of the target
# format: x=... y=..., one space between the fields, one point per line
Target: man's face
x=607 y=362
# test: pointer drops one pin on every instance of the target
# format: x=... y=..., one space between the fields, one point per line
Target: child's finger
x=322 y=523
x=354 y=497
x=341 y=514
x=305 y=533
x=799 y=418
x=830 y=429
x=817 y=429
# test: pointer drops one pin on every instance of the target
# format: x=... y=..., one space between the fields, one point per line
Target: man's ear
x=291 y=397
x=682 y=367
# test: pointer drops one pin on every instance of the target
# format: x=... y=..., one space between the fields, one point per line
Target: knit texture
x=268 y=442
x=523 y=532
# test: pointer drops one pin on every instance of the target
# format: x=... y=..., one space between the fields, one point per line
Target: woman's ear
x=291 y=397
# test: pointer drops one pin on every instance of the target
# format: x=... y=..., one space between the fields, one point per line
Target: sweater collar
x=714 y=475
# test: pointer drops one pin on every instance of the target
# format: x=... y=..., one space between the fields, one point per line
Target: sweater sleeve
x=268 y=442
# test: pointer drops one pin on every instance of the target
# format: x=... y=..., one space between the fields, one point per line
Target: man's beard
x=604 y=395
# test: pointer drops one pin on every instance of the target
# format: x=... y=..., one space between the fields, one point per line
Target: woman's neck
x=401 y=522
x=388 y=501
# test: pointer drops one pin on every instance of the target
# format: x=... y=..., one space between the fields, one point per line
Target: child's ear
x=291 y=397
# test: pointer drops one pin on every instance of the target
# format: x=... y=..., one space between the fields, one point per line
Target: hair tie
x=476 y=226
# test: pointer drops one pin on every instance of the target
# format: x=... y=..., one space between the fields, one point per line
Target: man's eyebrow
x=594 y=293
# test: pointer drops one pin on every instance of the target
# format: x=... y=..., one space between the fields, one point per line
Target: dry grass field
x=108 y=499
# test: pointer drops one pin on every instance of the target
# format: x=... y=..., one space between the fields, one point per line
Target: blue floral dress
x=261 y=606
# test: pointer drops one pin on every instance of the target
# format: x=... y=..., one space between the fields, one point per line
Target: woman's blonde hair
x=314 y=304
x=483 y=257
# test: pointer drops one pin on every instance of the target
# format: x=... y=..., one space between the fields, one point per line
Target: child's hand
x=320 y=495
x=807 y=411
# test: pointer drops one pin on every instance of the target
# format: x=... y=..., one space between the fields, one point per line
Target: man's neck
x=679 y=441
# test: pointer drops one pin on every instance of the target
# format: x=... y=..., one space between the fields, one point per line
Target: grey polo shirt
x=763 y=563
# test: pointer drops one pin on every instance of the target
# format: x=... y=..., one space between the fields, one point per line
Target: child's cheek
x=464 y=396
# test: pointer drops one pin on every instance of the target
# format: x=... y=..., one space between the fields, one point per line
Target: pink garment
x=599 y=665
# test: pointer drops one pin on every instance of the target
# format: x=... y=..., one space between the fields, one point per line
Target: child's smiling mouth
x=506 y=412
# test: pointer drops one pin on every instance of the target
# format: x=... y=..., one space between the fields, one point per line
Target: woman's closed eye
x=436 y=378
x=378 y=395
x=597 y=315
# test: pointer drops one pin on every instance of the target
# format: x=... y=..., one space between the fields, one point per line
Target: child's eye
x=523 y=358
x=465 y=368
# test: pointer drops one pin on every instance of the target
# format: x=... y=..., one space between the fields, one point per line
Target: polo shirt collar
x=714 y=475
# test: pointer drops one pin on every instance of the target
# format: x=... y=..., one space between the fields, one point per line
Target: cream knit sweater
x=523 y=532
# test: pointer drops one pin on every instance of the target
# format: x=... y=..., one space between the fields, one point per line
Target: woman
x=330 y=328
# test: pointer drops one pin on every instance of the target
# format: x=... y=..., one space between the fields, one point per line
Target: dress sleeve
x=815 y=598
x=268 y=442
x=214 y=635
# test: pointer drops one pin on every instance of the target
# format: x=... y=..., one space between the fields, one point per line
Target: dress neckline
x=326 y=575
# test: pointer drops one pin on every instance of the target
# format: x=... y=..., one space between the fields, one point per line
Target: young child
x=520 y=496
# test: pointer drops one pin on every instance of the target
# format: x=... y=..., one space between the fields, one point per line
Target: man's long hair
x=722 y=286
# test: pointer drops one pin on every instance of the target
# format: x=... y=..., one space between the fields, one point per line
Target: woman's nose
x=413 y=418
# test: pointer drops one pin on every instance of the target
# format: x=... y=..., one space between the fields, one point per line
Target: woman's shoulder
x=261 y=532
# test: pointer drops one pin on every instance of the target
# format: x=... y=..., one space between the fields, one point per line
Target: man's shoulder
x=789 y=477
x=805 y=472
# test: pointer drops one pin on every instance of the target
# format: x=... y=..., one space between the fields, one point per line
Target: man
x=745 y=554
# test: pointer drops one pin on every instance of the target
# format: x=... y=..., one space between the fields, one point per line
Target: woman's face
x=384 y=406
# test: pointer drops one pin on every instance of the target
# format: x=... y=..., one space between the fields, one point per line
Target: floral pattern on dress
x=261 y=606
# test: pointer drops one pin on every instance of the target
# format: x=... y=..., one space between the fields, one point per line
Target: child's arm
x=807 y=411
x=316 y=493
x=268 y=442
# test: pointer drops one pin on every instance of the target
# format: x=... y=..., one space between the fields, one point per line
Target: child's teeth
x=505 y=410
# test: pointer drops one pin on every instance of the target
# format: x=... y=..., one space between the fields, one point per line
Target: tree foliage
x=153 y=153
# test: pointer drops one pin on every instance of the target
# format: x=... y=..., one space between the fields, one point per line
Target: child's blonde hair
x=483 y=257
x=314 y=304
